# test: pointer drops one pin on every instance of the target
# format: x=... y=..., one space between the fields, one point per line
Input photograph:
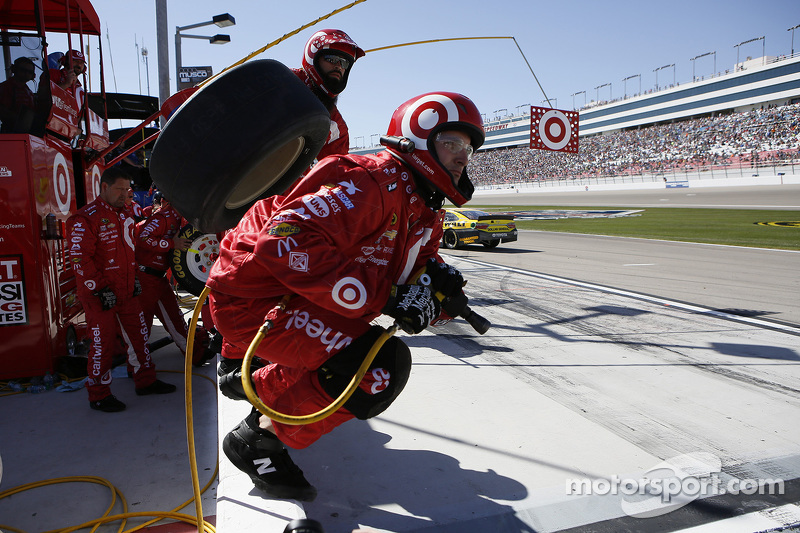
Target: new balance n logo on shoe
x=264 y=466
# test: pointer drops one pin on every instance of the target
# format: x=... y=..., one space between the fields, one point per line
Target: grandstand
x=755 y=83
x=731 y=123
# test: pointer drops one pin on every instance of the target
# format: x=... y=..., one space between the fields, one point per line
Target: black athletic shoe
x=259 y=454
x=109 y=404
x=229 y=374
x=230 y=385
x=156 y=387
x=228 y=365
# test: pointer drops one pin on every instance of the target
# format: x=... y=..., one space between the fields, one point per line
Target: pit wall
x=778 y=176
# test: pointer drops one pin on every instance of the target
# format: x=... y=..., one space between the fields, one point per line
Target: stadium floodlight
x=763 y=48
x=600 y=87
x=522 y=105
x=792 y=30
x=625 y=82
x=662 y=68
x=573 y=95
x=496 y=111
x=551 y=106
x=714 y=53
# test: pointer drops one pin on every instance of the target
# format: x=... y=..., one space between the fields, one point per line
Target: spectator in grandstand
x=769 y=133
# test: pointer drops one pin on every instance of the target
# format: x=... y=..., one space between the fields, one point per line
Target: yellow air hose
x=248 y=386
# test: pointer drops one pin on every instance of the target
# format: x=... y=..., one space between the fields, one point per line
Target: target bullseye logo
x=553 y=129
x=350 y=293
x=62 y=185
x=96 y=180
x=425 y=114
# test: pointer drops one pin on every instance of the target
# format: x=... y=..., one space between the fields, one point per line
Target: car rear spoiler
x=495 y=217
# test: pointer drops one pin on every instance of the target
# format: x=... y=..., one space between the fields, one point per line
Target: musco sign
x=191 y=76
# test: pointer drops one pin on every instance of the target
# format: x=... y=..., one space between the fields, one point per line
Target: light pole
x=522 y=105
x=221 y=21
x=662 y=68
x=763 y=48
x=600 y=87
x=573 y=95
x=146 y=68
x=714 y=53
x=551 y=106
x=625 y=80
x=792 y=30
x=496 y=111
x=371 y=142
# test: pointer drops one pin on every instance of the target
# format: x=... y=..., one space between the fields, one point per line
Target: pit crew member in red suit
x=345 y=243
x=153 y=208
x=73 y=64
x=327 y=59
x=156 y=237
x=102 y=255
x=132 y=207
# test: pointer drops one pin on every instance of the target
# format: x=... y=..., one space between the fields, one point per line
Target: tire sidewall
x=210 y=145
x=183 y=271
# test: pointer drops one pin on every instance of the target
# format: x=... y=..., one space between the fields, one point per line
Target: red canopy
x=20 y=15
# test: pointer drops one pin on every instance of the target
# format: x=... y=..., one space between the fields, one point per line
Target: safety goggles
x=454 y=144
x=337 y=61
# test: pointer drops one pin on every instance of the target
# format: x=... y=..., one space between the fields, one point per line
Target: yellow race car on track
x=470 y=226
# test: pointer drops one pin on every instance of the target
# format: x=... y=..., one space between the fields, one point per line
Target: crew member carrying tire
x=345 y=245
x=328 y=57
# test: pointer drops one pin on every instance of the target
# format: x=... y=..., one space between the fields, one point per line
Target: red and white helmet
x=419 y=120
x=337 y=42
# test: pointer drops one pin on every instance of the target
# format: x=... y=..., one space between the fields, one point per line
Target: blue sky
x=572 y=46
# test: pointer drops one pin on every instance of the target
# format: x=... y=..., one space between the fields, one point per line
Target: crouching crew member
x=345 y=243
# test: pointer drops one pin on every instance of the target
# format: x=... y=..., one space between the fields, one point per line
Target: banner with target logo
x=554 y=129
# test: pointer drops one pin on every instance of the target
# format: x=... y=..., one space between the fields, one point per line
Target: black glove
x=137 y=287
x=414 y=306
x=107 y=298
x=455 y=305
x=443 y=278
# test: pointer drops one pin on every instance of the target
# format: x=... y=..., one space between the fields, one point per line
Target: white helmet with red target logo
x=335 y=42
x=419 y=120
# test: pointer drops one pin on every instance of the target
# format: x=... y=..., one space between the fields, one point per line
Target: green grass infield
x=734 y=227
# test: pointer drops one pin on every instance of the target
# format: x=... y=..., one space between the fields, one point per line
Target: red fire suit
x=102 y=255
x=337 y=242
x=153 y=244
x=338 y=142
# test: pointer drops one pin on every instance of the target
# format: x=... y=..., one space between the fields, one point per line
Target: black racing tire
x=491 y=244
x=246 y=135
x=450 y=239
x=191 y=268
